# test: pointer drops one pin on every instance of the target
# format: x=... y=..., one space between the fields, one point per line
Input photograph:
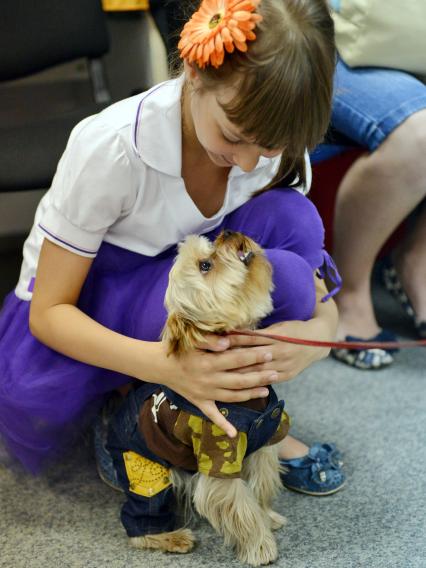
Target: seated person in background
x=384 y=111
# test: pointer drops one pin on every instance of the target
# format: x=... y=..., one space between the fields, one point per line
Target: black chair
x=35 y=124
x=170 y=17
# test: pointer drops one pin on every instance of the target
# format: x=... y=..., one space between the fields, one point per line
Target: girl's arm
x=200 y=376
x=290 y=359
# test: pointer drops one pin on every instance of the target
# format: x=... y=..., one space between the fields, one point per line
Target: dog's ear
x=180 y=334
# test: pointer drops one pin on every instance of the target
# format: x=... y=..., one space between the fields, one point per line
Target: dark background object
x=35 y=36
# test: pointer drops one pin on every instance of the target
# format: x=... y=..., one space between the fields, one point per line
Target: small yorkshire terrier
x=214 y=287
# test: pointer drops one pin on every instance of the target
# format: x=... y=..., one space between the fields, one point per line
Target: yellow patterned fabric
x=146 y=478
x=124 y=5
x=217 y=455
x=186 y=440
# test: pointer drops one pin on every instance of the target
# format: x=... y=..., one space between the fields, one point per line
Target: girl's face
x=222 y=140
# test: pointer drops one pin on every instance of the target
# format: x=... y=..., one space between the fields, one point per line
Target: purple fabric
x=329 y=270
x=46 y=399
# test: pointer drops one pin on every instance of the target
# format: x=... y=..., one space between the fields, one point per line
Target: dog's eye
x=205 y=265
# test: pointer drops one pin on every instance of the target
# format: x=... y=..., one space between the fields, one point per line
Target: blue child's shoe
x=318 y=473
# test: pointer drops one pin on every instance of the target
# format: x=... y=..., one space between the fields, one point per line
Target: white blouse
x=119 y=180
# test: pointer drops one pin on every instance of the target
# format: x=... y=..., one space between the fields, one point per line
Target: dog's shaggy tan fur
x=213 y=288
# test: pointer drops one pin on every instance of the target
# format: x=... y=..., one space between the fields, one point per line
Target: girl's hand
x=203 y=377
x=288 y=359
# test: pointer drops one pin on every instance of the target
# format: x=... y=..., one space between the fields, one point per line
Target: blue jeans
x=140 y=514
x=369 y=103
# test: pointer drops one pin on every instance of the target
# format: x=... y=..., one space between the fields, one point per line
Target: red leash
x=337 y=344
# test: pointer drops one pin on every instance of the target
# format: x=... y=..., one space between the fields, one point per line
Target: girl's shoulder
x=143 y=126
x=125 y=114
x=160 y=98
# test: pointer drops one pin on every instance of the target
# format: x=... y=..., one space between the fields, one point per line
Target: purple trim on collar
x=66 y=242
x=138 y=112
x=31 y=284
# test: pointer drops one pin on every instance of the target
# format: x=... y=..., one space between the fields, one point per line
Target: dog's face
x=216 y=287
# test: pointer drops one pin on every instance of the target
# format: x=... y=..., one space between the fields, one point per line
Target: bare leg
x=290 y=448
x=377 y=193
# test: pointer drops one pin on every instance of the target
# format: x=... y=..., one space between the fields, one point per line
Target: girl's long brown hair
x=284 y=82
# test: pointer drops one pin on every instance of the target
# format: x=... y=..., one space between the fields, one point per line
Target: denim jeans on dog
x=147 y=510
x=143 y=469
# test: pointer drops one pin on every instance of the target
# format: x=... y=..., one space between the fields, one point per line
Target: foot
x=367 y=359
x=277 y=520
x=357 y=322
x=292 y=448
x=259 y=553
x=181 y=541
x=318 y=473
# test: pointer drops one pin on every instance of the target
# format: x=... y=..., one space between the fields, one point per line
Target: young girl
x=185 y=157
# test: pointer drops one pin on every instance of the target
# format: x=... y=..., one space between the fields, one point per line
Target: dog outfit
x=156 y=429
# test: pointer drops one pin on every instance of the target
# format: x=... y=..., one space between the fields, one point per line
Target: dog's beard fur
x=234 y=293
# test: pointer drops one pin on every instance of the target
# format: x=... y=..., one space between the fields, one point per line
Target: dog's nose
x=227 y=233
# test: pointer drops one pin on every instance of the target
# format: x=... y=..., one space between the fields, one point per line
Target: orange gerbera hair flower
x=218 y=25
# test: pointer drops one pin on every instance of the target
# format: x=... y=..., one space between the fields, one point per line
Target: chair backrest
x=36 y=34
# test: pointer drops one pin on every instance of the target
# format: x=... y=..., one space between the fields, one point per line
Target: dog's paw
x=181 y=540
x=259 y=553
x=277 y=520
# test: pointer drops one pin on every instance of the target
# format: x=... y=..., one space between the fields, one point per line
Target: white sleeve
x=94 y=185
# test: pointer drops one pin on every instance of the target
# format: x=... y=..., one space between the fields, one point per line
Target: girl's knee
x=294 y=295
x=404 y=147
x=297 y=224
x=416 y=133
x=283 y=219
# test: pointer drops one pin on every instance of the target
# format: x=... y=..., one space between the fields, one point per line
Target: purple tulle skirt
x=47 y=399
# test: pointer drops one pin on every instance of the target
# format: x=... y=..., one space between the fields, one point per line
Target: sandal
x=318 y=473
x=393 y=285
x=367 y=359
